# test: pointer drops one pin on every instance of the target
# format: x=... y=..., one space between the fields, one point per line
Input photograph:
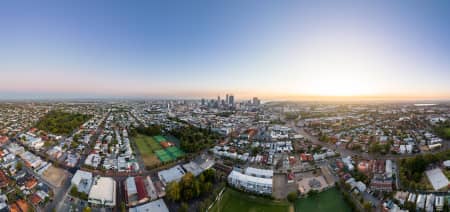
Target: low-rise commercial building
x=103 y=192
x=250 y=183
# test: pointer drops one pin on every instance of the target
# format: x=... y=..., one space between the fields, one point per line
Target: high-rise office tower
x=256 y=101
x=231 y=99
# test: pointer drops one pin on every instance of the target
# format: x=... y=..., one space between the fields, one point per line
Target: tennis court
x=173 y=140
x=175 y=152
x=159 y=138
x=163 y=155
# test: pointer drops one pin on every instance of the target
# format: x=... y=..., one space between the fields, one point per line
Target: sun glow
x=342 y=67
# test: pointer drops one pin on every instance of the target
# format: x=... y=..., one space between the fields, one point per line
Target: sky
x=194 y=49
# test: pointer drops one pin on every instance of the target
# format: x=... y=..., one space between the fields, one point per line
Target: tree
x=61 y=123
x=47 y=144
x=194 y=139
x=184 y=207
x=74 y=191
x=312 y=193
x=76 y=137
x=255 y=151
x=206 y=187
x=292 y=196
x=123 y=208
x=209 y=175
x=367 y=206
x=19 y=166
x=187 y=186
x=173 y=191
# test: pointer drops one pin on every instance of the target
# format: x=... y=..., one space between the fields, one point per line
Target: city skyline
x=289 y=50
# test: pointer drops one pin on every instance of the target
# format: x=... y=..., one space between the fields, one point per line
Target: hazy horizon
x=283 y=50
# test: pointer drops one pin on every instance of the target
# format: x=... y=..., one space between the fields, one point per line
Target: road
x=346 y=152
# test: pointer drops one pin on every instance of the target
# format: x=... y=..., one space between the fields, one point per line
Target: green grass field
x=330 y=200
x=447 y=132
x=146 y=147
x=234 y=201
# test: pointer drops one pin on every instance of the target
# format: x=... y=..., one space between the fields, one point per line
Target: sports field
x=330 y=200
x=152 y=153
x=173 y=140
x=146 y=147
x=234 y=201
x=163 y=155
x=447 y=132
x=159 y=138
x=175 y=152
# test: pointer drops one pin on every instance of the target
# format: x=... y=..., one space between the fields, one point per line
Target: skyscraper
x=231 y=99
x=256 y=101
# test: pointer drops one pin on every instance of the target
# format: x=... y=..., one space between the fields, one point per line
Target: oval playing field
x=234 y=201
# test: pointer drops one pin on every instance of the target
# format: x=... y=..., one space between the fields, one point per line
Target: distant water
x=424 y=105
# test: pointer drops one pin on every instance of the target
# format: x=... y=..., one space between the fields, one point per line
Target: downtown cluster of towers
x=228 y=101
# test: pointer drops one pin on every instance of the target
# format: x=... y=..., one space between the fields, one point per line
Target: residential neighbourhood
x=126 y=155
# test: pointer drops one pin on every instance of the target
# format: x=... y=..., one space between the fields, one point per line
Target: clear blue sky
x=273 y=49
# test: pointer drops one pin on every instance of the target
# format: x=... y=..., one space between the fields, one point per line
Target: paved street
x=346 y=152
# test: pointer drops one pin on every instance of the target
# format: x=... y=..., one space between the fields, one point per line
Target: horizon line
x=287 y=98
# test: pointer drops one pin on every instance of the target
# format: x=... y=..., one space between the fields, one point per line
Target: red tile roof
x=140 y=186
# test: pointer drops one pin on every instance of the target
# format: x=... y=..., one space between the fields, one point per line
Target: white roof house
x=429 y=203
x=82 y=180
x=250 y=183
x=388 y=168
x=439 y=203
x=264 y=173
x=131 y=186
x=437 y=178
x=173 y=174
x=155 y=206
x=193 y=168
x=420 y=203
x=447 y=163
x=103 y=191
